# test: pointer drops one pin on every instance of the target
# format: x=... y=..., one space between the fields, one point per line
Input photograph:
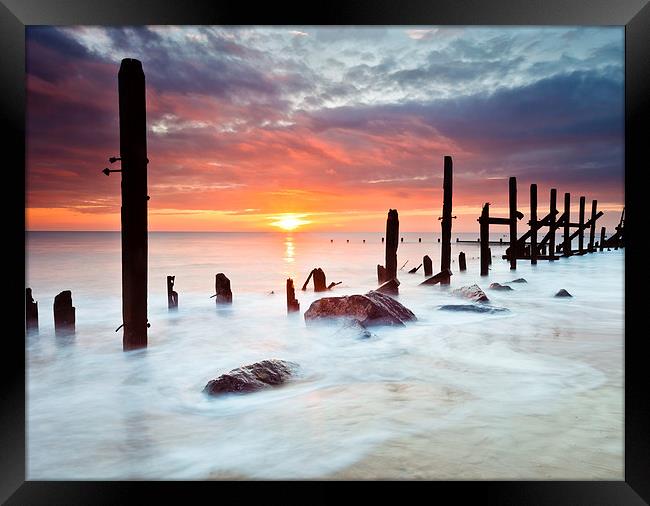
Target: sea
x=534 y=392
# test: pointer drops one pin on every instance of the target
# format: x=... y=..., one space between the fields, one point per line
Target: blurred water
x=94 y=412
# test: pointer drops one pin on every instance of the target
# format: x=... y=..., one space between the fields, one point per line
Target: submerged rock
x=373 y=308
x=356 y=328
x=497 y=286
x=473 y=292
x=473 y=308
x=563 y=293
x=518 y=280
x=253 y=377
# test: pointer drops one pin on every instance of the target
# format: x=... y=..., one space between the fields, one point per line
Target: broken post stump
x=581 y=224
x=64 y=314
x=442 y=277
x=566 y=248
x=462 y=263
x=533 y=224
x=222 y=289
x=415 y=269
x=552 y=226
x=602 y=238
x=292 y=303
x=428 y=266
x=389 y=287
x=31 y=312
x=172 y=296
x=381 y=274
x=320 y=284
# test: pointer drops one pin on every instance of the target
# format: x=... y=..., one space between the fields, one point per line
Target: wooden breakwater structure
x=528 y=247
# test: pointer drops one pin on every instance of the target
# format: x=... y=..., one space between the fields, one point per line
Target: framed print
x=380 y=244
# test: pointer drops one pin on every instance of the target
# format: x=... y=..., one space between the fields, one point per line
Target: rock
x=473 y=308
x=390 y=287
x=563 y=293
x=518 y=280
x=356 y=328
x=497 y=286
x=253 y=377
x=373 y=308
x=473 y=292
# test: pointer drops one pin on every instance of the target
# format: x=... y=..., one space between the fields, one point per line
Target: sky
x=325 y=128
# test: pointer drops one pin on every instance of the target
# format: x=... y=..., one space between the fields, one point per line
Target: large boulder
x=373 y=308
x=253 y=377
x=473 y=292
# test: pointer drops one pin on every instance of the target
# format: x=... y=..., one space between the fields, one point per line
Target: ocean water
x=535 y=392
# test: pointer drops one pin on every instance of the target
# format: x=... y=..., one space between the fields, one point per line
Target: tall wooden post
x=392 y=234
x=581 y=224
x=601 y=243
x=567 y=225
x=133 y=153
x=592 y=228
x=484 y=221
x=551 y=238
x=533 y=224
x=512 y=183
x=462 y=263
x=31 y=312
x=445 y=256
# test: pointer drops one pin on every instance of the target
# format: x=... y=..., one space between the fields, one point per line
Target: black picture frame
x=633 y=14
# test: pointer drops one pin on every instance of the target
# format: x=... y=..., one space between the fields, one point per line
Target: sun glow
x=289 y=221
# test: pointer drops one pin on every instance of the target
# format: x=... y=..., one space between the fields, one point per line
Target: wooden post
x=533 y=224
x=392 y=234
x=133 y=153
x=445 y=254
x=222 y=289
x=513 y=221
x=551 y=239
x=292 y=303
x=581 y=224
x=428 y=266
x=484 y=221
x=592 y=228
x=381 y=274
x=172 y=296
x=602 y=238
x=462 y=263
x=64 y=314
x=567 y=225
x=489 y=255
x=31 y=312
x=320 y=284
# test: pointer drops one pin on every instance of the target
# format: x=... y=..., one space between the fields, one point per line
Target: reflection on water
x=94 y=412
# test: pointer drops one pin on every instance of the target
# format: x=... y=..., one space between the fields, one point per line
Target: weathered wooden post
x=533 y=224
x=484 y=221
x=592 y=228
x=392 y=233
x=512 y=194
x=462 y=263
x=222 y=289
x=551 y=238
x=489 y=255
x=133 y=153
x=31 y=312
x=602 y=239
x=320 y=284
x=445 y=255
x=292 y=303
x=428 y=265
x=567 y=225
x=64 y=314
x=581 y=224
x=172 y=296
